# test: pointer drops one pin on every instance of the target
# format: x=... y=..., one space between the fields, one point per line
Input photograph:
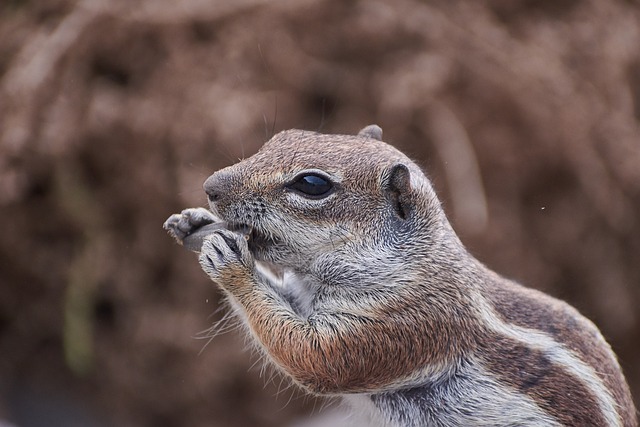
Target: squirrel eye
x=312 y=186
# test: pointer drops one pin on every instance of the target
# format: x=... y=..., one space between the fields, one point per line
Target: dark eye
x=312 y=186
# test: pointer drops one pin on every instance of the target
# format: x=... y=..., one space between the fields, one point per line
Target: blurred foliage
x=112 y=113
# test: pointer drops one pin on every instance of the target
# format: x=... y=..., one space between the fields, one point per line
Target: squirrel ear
x=397 y=184
x=371 y=131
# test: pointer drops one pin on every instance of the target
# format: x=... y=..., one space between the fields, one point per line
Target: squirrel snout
x=212 y=195
x=216 y=186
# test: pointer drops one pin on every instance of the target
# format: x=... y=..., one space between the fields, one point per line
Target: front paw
x=225 y=257
x=186 y=223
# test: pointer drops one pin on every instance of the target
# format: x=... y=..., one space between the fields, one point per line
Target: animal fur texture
x=376 y=300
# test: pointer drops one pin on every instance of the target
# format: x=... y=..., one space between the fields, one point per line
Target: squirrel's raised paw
x=189 y=223
x=225 y=256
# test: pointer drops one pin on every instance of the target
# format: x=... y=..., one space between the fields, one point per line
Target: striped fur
x=381 y=304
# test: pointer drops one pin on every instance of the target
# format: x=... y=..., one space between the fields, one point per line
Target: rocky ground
x=112 y=113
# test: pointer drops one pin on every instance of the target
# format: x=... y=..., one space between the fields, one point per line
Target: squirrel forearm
x=339 y=351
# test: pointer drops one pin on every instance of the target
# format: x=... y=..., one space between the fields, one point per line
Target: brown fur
x=326 y=354
x=535 y=310
x=532 y=373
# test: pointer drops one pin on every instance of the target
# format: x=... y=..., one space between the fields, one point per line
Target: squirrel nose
x=215 y=186
x=213 y=195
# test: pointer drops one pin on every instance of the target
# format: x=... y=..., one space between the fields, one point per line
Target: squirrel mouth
x=256 y=240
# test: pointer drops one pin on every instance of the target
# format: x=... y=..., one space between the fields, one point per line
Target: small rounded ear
x=371 y=131
x=397 y=185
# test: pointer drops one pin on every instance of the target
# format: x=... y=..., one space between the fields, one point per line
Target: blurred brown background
x=525 y=113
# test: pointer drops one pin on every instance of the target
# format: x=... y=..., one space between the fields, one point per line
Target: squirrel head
x=304 y=195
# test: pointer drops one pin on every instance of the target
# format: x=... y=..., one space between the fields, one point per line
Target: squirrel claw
x=191 y=226
x=224 y=252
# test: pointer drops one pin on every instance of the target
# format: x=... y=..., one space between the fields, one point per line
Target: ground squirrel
x=376 y=299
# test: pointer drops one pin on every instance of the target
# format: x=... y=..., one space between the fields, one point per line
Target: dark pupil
x=312 y=185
